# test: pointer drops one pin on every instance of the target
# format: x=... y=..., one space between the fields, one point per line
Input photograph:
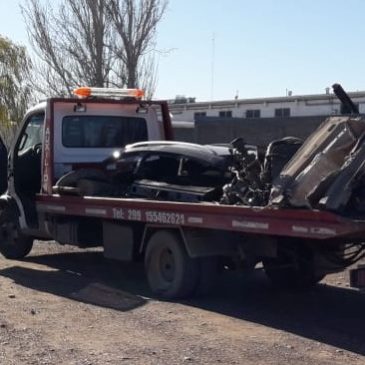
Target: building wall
x=255 y=131
x=184 y=133
x=301 y=106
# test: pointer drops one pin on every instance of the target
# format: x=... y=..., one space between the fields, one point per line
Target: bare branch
x=135 y=22
x=93 y=42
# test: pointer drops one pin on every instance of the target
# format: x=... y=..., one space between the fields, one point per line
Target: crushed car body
x=319 y=163
x=328 y=169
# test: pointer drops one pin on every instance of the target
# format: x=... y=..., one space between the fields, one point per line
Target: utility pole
x=212 y=68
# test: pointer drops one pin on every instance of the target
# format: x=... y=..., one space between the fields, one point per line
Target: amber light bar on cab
x=86 y=92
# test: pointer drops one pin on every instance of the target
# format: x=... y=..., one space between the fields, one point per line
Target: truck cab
x=63 y=134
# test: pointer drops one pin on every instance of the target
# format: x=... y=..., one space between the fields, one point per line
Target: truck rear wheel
x=170 y=271
x=13 y=244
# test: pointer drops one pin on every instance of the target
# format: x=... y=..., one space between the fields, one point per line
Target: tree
x=72 y=44
x=15 y=91
x=93 y=42
x=136 y=23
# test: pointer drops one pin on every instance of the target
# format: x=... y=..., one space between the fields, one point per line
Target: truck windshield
x=102 y=131
x=33 y=133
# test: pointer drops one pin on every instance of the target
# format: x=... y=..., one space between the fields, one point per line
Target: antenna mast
x=213 y=68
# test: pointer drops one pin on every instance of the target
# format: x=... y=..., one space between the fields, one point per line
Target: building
x=187 y=110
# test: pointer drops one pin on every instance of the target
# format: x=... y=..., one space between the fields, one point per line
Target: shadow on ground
x=331 y=315
x=85 y=277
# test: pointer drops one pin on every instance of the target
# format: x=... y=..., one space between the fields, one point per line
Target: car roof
x=207 y=154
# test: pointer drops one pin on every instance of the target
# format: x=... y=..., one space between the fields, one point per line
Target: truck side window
x=33 y=134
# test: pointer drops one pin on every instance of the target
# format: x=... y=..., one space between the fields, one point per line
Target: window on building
x=282 y=112
x=225 y=114
x=253 y=113
x=345 y=110
x=200 y=114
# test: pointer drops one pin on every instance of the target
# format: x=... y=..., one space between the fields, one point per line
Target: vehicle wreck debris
x=328 y=168
x=317 y=165
x=325 y=172
x=253 y=175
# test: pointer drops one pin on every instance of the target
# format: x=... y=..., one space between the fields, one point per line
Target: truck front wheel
x=170 y=271
x=13 y=244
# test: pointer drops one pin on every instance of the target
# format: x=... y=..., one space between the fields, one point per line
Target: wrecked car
x=159 y=170
x=174 y=171
x=233 y=174
x=326 y=172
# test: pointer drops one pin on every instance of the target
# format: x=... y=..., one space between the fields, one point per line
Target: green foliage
x=14 y=87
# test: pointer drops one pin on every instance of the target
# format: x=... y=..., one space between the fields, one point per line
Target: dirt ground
x=66 y=306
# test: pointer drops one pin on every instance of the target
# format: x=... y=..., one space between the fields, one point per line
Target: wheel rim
x=167 y=265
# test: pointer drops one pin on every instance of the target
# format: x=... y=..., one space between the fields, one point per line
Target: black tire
x=13 y=244
x=171 y=273
x=293 y=269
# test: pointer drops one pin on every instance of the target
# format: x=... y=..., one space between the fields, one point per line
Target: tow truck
x=182 y=244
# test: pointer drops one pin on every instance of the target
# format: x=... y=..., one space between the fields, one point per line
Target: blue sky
x=262 y=47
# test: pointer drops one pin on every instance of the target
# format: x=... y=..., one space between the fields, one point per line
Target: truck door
x=3 y=167
x=27 y=165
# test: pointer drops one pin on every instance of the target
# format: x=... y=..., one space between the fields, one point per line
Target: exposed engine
x=253 y=176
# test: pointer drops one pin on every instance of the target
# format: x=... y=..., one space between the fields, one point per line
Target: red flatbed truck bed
x=320 y=228
x=300 y=223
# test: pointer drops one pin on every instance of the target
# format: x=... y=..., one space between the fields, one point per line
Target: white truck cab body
x=92 y=134
x=70 y=133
